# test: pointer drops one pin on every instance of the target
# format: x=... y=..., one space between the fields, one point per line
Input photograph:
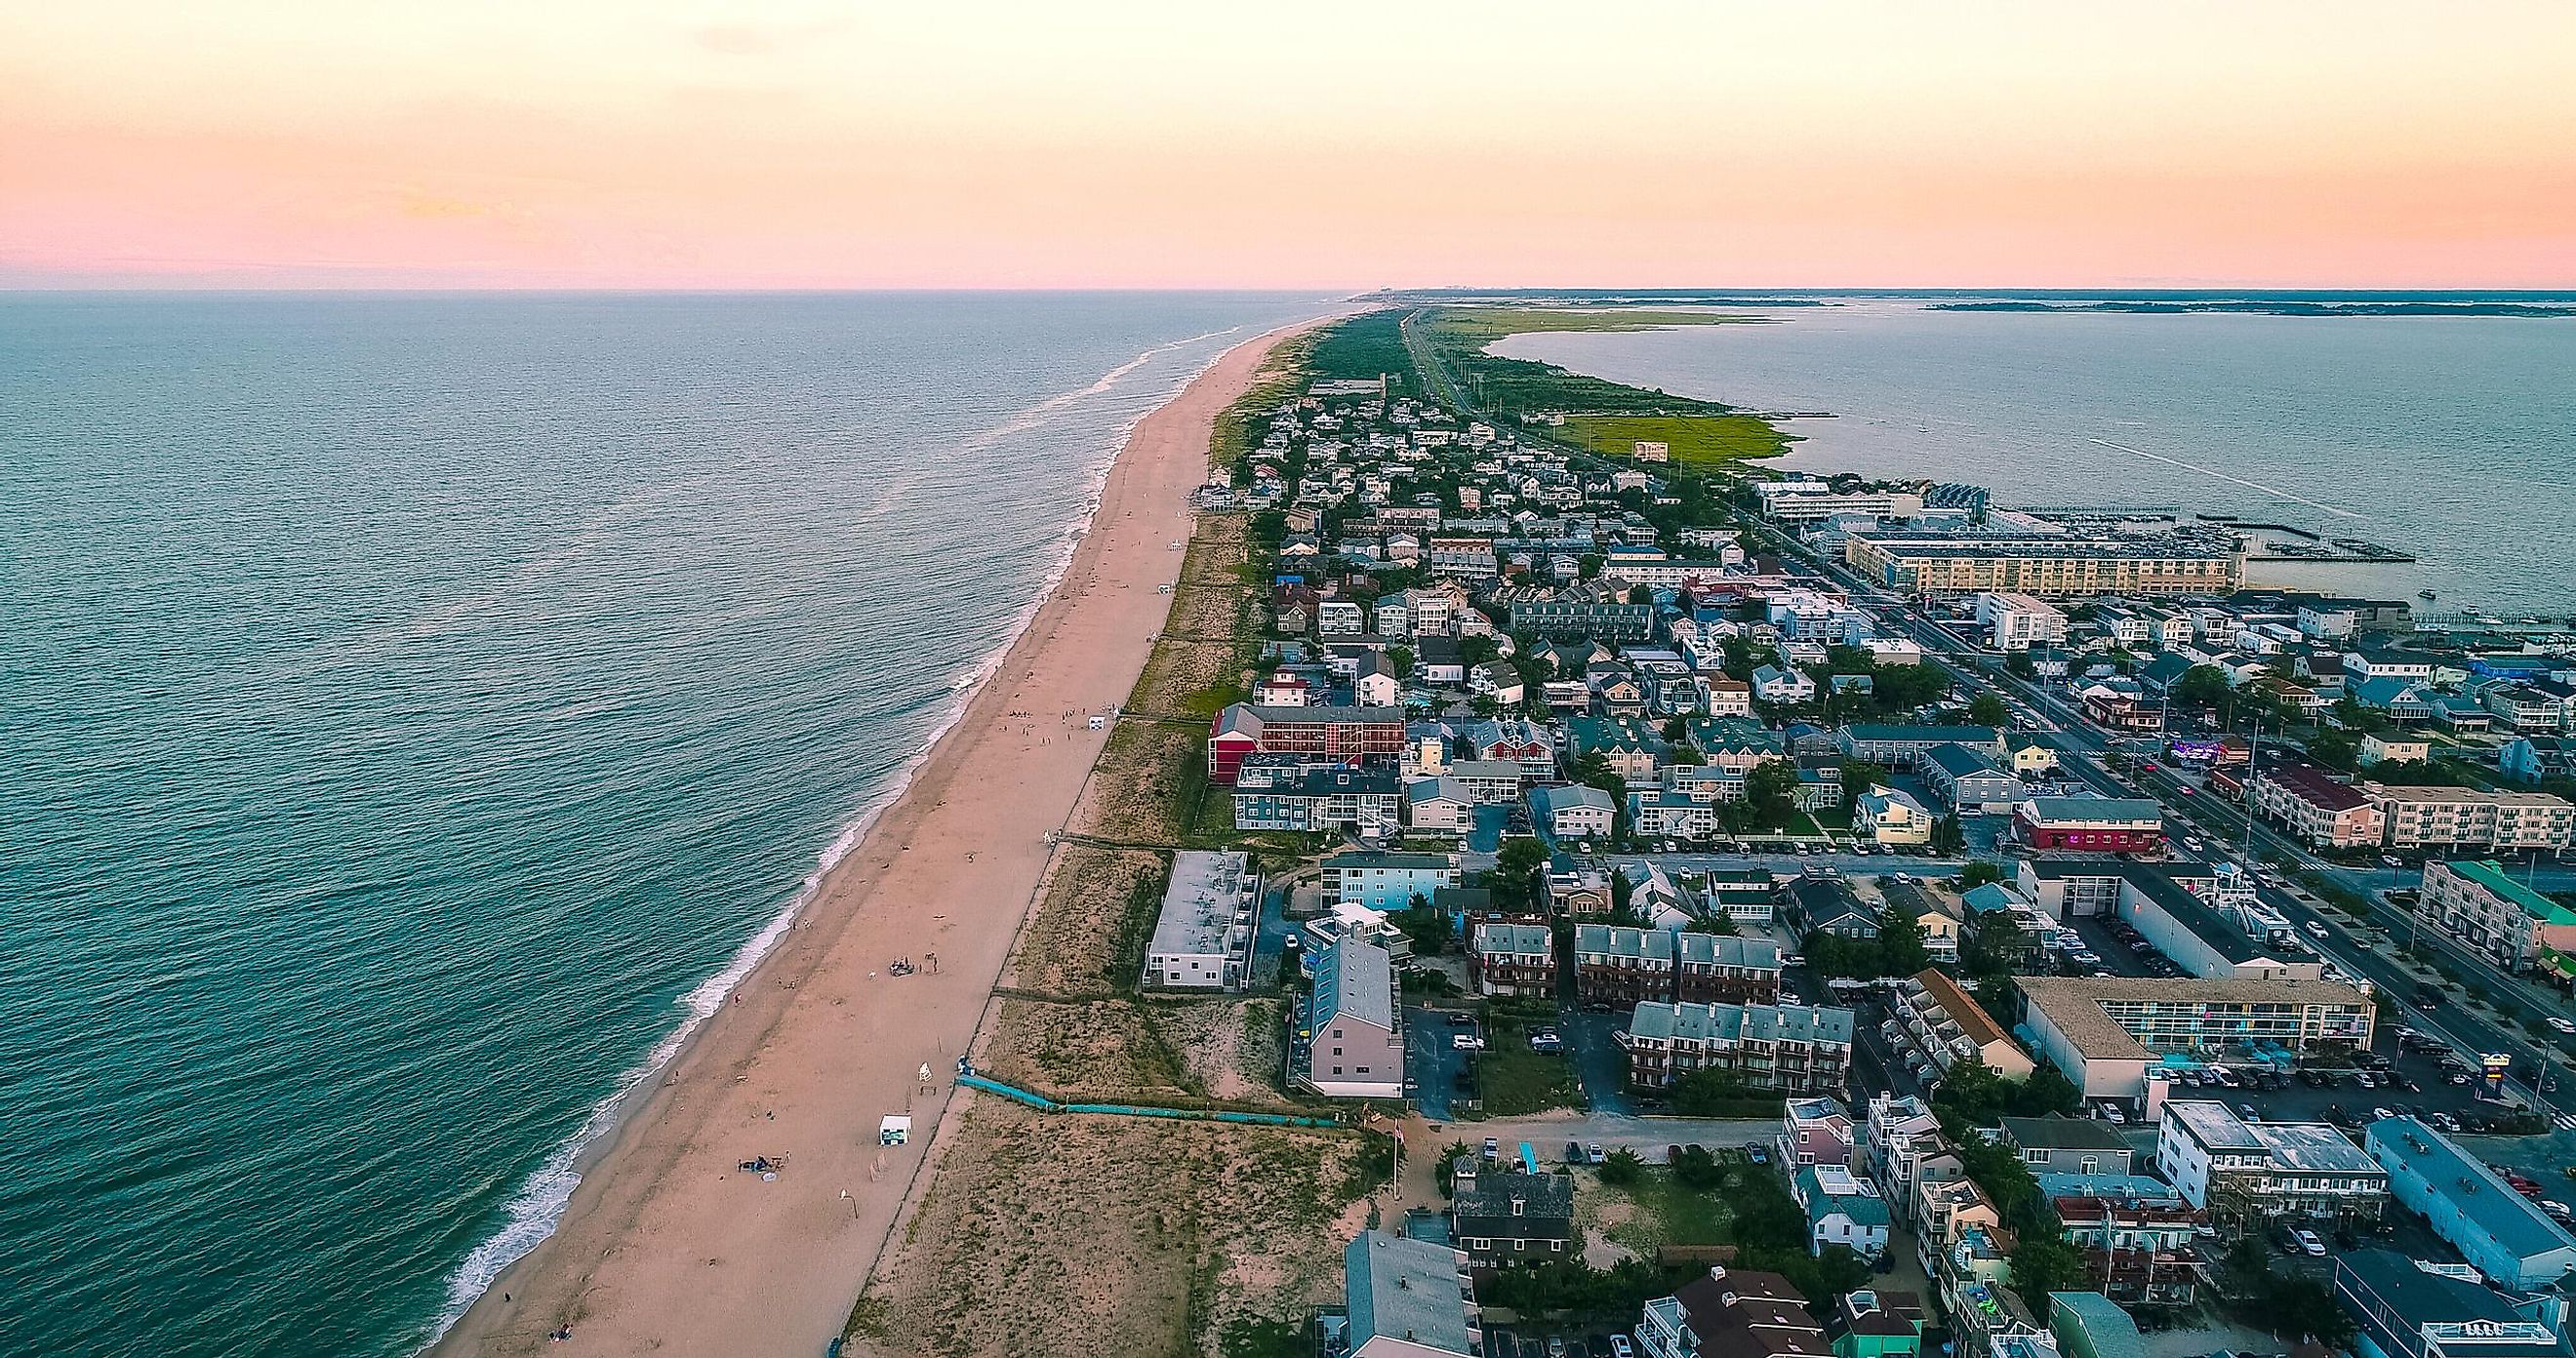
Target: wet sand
x=667 y=1244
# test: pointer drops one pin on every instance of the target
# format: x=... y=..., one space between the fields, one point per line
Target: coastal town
x=1753 y=915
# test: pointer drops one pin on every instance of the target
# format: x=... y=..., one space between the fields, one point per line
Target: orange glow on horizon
x=681 y=143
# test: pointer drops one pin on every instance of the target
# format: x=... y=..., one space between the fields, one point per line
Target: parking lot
x=1534 y=1341
x=1438 y=1071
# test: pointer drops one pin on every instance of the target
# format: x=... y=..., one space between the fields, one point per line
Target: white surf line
x=1039 y=414
x=2238 y=480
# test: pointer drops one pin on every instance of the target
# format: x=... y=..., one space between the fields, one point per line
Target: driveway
x=1430 y=1062
x=1592 y=1047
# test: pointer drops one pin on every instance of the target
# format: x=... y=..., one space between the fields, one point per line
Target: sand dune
x=667 y=1244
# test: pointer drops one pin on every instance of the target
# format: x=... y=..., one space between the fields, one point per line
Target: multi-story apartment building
x=2247 y=1175
x=1940 y=1024
x=1620 y=965
x=1386 y=881
x=2312 y=804
x=1341 y=732
x=2444 y=816
x=2049 y=565
x=2138 y=1250
x=1725 y=969
x=1513 y=959
x=2017 y=622
x=2478 y=904
x=2104 y=1032
x=1803 y=1049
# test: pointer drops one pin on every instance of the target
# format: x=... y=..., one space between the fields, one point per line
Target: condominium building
x=1620 y=965
x=2418 y=816
x=1943 y=1025
x=2017 y=622
x=1797 y=1049
x=2105 y=1032
x=2315 y=806
x=1513 y=959
x=1725 y=969
x=1203 y=937
x=2478 y=904
x=2249 y=1174
x=2047 y=565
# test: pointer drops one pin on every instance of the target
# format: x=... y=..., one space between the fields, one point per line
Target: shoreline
x=600 y=1132
x=655 y=1203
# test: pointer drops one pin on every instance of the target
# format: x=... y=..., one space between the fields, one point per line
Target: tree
x=1987 y=709
x=1622 y=1167
x=1676 y=731
x=1901 y=951
x=2200 y=686
x=1771 y=793
x=1978 y=872
x=1400 y=659
x=1948 y=836
x=1641 y=594
x=2020 y=663
x=2043 y=1263
x=1859 y=776
x=1588 y=565
x=1515 y=878
x=1430 y=929
x=1476 y=650
x=1707 y=1093
x=2336 y=750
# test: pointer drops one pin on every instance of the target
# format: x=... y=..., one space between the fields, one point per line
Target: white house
x=1772 y=684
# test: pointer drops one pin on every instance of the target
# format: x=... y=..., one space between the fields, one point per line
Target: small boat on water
x=2426 y=594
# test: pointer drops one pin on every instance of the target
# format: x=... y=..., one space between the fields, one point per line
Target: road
x=2372 y=955
x=1648 y=1138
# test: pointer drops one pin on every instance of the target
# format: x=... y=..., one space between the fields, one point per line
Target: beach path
x=668 y=1244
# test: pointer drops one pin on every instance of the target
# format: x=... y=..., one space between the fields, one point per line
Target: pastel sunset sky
x=790 y=143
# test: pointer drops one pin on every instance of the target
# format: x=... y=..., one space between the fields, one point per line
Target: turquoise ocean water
x=416 y=709
x=2453 y=438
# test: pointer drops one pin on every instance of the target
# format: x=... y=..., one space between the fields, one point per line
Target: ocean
x=418 y=709
x=2449 y=438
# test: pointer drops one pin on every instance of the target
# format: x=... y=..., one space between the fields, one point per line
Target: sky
x=797 y=144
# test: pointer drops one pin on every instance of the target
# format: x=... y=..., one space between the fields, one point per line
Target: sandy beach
x=668 y=1244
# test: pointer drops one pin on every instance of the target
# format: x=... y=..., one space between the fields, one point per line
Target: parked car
x=1621 y=1348
x=1467 y=1042
x=1574 y=1152
x=1756 y=1152
x=2310 y=1244
x=1493 y=1148
x=1595 y=1154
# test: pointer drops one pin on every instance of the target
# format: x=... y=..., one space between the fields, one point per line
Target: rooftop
x=1200 y=904
x=1408 y=1289
x=1490 y=1194
x=2491 y=875
x=2096 y=810
x=2407 y=1146
x=2063 y=1133
x=1738 y=1022
x=2073 y=1004
x=1355 y=980
x=1962 y=1008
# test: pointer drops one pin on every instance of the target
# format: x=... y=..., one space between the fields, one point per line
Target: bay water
x=2449 y=438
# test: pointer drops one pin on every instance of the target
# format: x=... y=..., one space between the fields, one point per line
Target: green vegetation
x=1600 y=417
x=1514 y=1080
x=1362 y=349
x=1693 y=440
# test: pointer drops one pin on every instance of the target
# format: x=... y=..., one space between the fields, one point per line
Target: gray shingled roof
x=1355 y=980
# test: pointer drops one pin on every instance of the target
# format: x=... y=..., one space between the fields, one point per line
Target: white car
x=2559 y=1025
x=2310 y=1243
x=1467 y=1042
x=2318 y=930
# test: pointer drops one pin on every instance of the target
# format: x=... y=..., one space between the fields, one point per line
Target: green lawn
x=1515 y=1080
x=1695 y=440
